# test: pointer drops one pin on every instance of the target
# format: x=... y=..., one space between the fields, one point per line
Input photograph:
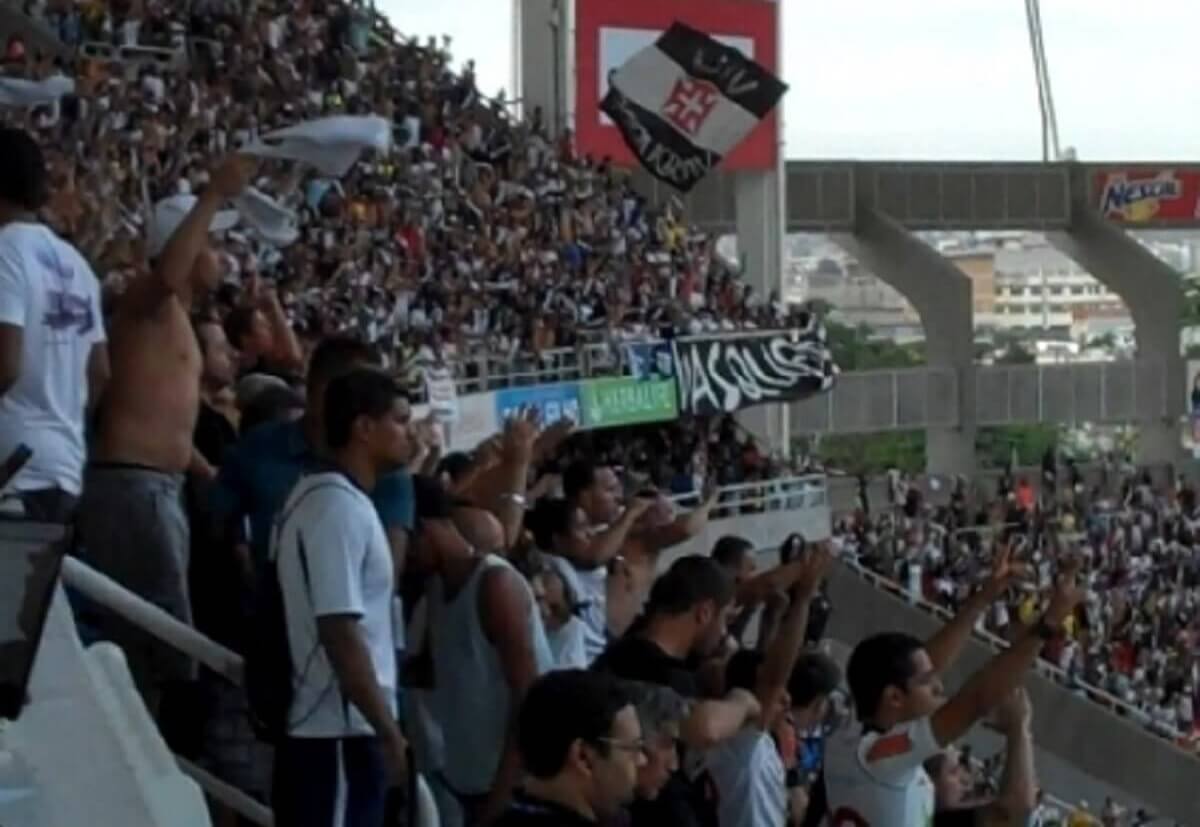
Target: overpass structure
x=873 y=210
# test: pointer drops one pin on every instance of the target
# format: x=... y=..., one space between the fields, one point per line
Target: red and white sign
x=609 y=32
x=1149 y=196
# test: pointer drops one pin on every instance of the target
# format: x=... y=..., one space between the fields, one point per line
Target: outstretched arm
x=948 y=642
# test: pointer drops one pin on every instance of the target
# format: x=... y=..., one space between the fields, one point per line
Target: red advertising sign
x=1149 y=196
x=609 y=32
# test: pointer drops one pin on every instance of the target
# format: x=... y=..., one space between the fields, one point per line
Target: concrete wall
x=1083 y=737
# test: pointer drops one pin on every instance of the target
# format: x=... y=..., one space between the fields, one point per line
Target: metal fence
x=1100 y=392
x=883 y=400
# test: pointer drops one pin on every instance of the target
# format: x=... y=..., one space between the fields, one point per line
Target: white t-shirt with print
x=877 y=779
x=333 y=558
x=50 y=292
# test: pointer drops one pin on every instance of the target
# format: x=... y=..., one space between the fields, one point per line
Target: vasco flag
x=685 y=102
x=721 y=376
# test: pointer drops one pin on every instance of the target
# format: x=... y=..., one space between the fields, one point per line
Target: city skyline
x=942 y=79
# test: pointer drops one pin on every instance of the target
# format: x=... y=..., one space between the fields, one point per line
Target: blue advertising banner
x=650 y=360
x=553 y=402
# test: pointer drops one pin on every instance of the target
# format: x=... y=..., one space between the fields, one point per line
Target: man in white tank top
x=488 y=646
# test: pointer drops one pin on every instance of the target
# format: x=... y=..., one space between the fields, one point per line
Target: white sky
x=939 y=79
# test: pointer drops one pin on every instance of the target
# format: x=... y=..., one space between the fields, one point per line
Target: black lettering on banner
x=726 y=375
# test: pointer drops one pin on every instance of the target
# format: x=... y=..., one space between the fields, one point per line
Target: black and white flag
x=719 y=376
x=685 y=102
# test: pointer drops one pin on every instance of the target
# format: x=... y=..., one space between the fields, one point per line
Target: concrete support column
x=759 y=199
x=941 y=294
x=540 y=59
x=1153 y=292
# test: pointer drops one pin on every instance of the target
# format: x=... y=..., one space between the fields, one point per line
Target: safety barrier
x=116 y=598
x=170 y=59
x=780 y=494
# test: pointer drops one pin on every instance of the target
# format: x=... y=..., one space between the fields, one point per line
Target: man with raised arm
x=131 y=517
x=874 y=775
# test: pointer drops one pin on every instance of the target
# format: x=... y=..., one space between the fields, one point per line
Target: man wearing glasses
x=581 y=748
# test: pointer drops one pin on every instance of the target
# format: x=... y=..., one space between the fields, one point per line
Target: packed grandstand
x=483 y=245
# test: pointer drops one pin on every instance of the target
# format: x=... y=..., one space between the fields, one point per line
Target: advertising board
x=1148 y=195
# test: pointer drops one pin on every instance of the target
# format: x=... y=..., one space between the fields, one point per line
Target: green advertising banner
x=611 y=403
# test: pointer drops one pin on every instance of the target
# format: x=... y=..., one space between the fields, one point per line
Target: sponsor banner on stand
x=624 y=400
x=650 y=360
x=686 y=101
x=553 y=402
x=719 y=376
x=1149 y=196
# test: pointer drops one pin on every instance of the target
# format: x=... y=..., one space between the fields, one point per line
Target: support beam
x=941 y=294
x=759 y=197
x=1153 y=292
x=540 y=60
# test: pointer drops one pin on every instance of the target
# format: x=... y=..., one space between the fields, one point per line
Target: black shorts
x=329 y=782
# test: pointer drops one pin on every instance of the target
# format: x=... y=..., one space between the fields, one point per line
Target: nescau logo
x=1138 y=198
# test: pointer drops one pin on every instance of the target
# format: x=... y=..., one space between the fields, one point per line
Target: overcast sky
x=931 y=79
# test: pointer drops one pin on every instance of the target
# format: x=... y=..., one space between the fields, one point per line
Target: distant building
x=1040 y=289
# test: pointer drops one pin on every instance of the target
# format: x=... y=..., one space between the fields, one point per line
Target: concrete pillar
x=759 y=201
x=941 y=294
x=542 y=48
x=1153 y=292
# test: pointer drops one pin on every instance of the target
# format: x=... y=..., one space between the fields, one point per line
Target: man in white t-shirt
x=874 y=774
x=53 y=356
x=343 y=748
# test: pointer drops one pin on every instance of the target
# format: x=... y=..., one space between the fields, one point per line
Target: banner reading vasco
x=717 y=376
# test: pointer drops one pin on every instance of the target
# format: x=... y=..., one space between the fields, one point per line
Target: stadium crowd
x=219 y=415
x=1134 y=637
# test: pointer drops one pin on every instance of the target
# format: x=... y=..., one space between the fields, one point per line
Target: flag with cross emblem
x=686 y=101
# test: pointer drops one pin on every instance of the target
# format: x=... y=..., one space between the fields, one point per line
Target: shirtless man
x=132 y=522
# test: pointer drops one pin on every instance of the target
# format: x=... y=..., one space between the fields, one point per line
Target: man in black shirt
x=581 y=747
x=686 y=618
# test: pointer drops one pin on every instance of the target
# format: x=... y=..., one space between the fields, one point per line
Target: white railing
x=780 y=494
x=153 y=620
x=1044 y=668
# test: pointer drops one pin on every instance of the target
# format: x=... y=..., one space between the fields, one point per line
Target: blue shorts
x=329 y=782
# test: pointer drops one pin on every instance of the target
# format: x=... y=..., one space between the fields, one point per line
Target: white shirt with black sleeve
x=333 y=558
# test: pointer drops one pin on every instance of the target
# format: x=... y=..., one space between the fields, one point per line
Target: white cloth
x=333 y=558
x=26 y=93
x=50 y=292
x=750 y=779
x=590 y=589
x=170 y=212
x=330 y=145
x=270 y=220
x=567 y=645
x=879 y=778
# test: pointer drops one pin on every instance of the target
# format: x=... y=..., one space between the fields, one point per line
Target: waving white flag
x=330 y=145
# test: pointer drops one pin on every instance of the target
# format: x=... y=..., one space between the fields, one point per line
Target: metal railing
x=156 y=622
x=780 y=494
x=1044 y=668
